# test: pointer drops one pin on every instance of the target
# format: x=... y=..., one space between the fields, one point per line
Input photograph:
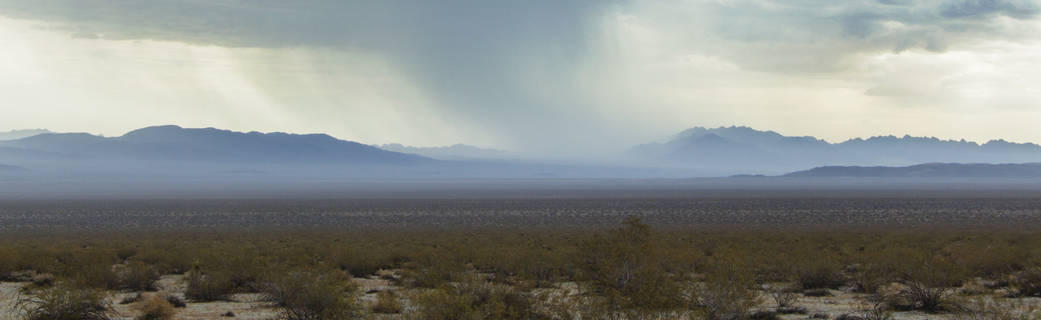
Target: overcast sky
x=540 y=76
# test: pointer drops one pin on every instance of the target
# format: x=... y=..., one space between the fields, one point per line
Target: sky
x=545 y=77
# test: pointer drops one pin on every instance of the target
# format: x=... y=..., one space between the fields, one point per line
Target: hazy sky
x=540 y=76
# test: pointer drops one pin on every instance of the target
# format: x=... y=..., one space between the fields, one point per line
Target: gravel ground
x=29 y=216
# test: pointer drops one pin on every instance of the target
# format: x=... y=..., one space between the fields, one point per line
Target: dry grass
x=387 y=302
x=631 y=270
x=65 y=302
x=312 y=295
x=154 y=307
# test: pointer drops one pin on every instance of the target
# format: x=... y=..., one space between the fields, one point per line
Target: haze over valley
x=176 y=158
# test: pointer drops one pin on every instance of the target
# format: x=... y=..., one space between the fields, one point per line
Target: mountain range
x=735 y=148
x=176 y=144
x=174 y=151
x=927 y=170
x=18 y=134
x=156 y=153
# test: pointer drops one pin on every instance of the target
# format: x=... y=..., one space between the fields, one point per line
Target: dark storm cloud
x=467 y=54
x=529 y=70
x=985 y=8
x=822 y=35
x=301 y=23
x=472 y=49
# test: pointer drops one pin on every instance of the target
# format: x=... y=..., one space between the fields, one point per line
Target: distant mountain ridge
x=18 y=134
x=744 y=147
x=174 y=151
x=173 y=143
x=928 y=170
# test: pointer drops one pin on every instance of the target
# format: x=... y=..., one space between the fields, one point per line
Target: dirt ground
x=250 y=306
x=244 y=306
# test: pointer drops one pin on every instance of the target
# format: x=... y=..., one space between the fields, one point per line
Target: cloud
x=1019 y=9
x=485 y=63
x=824 y=35
x=550 y=75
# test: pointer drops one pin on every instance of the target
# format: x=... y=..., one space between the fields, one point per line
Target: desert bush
x=208 y=287
x=989 y=257
x=728 y=290
x=387 y=302
x=154 y=307
x=626 y=271
x=782 y=296
x=174 y=301
x=929 y=281
x=243 y=270
x=167 y=258
x=443 y=304
x=125 y=253
x=98 y=276
x=1026 y=283
x=311 y=295
x=359 y=261
x=7 y=262
x=867 y=279
x=819 y=274
x=65 y=301
x=474 y=299
x=137 y=276
x=42 y=280
x=785 y=299
x=430 y=276
x=627 y=268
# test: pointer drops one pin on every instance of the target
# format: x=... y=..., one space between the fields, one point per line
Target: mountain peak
x=174 y=143
x=928 y=170
x=741 y=147
x=19 y=134
x=166 y=132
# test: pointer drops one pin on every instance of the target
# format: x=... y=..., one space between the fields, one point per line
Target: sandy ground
x=244 y=306
x=250 y=306
x=8 y=296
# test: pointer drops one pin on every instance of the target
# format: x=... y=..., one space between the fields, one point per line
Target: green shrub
x=783 y=297
x=137 y=276
x=98 y=276
x=311 y=295
x=819 y=274
x=728 y=290
x=65 y=302
x=444 y=304
x=627 y=268
x=175 y=301
x=154 y=307
x=929 y=281
x=474 y=299
x=125 y=253
x=387 y=302
x=1026 y=283
x=208 y=287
